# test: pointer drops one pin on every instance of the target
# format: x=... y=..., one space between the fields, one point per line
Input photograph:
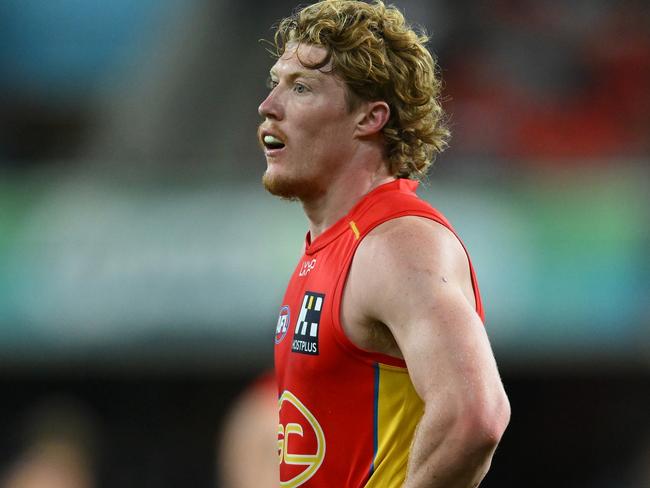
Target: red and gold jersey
x=347 y=416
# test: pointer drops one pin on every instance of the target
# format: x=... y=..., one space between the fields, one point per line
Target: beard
x=292 y=187
x=279 y=187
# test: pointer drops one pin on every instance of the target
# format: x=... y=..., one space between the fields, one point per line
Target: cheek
x=321 y=130
x=331 y=131
x=322 y=118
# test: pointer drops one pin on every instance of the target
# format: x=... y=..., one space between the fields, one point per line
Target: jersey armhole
x=371 y=357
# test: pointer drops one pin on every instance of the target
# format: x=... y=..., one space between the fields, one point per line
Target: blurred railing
x=104 y=270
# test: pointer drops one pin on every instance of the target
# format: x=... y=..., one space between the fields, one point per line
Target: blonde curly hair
x=379 y=57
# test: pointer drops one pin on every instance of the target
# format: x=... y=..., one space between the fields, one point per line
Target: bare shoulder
x=403 y=232
x=405 y=272
x=410 y=249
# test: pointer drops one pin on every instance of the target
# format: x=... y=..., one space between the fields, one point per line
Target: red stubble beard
x=280 y=186
x=292 y=186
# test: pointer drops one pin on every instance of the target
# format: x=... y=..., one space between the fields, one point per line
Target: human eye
x=300 y=88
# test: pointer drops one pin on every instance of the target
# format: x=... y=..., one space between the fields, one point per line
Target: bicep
x=445 y=347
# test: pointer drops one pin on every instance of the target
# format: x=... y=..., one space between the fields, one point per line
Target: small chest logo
x=306 y=267
x=283 y=324
x=305 y=337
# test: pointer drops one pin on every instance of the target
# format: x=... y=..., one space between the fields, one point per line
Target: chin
x=291 y=188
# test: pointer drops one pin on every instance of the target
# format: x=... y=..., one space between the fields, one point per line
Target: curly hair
x=379 y=57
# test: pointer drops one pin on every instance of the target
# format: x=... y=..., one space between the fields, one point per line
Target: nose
x=270 y=108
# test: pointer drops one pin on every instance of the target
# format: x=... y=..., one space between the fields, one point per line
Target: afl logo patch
x=283 y=324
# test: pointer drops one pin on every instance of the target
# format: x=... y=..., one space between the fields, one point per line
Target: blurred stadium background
x=142 y=264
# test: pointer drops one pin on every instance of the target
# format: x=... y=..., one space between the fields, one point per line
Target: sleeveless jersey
x=347 y=416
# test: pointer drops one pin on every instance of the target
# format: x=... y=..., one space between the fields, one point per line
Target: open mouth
x=271 y=142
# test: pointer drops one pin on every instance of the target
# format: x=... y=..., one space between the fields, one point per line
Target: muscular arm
x=418 y=284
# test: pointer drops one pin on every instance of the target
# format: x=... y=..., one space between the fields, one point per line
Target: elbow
x=499 y=419
x=485 y=422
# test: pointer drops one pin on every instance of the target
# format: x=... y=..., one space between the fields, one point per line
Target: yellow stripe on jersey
x=354 y=228
x=398 y=410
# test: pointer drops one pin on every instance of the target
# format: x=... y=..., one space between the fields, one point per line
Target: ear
x=373 y=116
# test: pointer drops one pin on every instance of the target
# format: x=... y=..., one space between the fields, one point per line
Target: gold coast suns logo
x=301 y=442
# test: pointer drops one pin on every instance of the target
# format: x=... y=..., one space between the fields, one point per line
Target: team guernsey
x=347 y=416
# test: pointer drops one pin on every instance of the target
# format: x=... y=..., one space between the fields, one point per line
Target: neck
x=342 y=194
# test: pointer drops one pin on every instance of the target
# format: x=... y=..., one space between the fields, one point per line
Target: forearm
x=449 y=454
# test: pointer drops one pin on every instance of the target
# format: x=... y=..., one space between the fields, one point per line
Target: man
x=385 y=374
